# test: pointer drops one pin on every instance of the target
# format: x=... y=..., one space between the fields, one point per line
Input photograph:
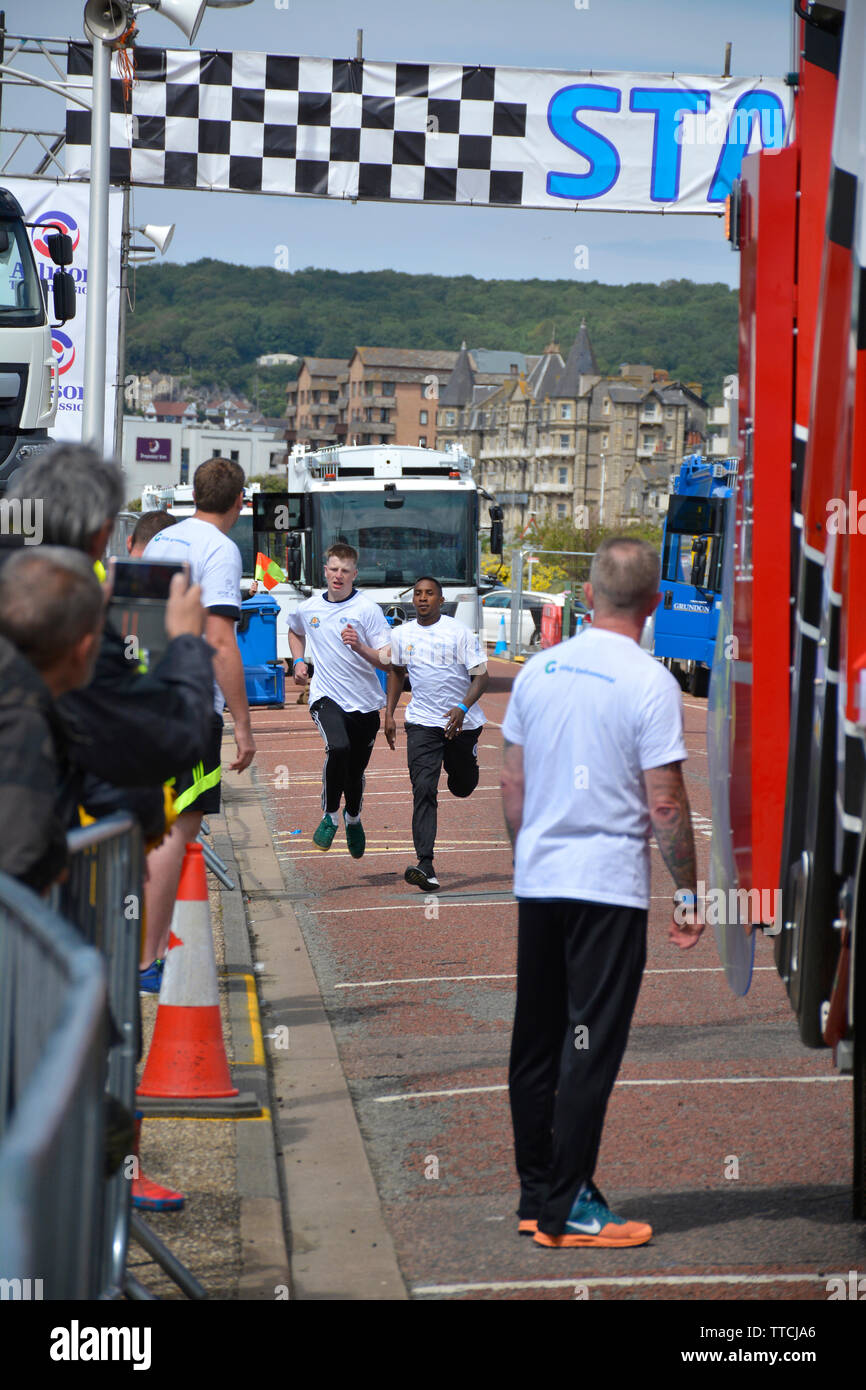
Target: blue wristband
x=463 y=707
x=297 y=659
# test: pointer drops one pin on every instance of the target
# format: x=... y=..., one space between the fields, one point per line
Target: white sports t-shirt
x=338 y=672
x=214 y=563
x=438 y=659
x=592 y=715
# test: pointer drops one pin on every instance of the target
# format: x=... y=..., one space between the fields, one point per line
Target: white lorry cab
x=29 y=370
x=407 y=511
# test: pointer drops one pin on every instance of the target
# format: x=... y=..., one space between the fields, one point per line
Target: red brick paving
x=665 y=1148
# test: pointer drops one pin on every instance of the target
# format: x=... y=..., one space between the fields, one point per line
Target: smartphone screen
x=143 y=579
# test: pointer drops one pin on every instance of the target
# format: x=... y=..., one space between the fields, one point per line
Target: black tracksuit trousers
x=427 y=749
x=579 y=968
x=349 y=737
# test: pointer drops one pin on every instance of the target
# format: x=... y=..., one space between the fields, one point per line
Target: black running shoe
x=428 y=883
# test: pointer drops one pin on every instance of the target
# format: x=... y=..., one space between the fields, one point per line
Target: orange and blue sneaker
x=591 y=1222
x=150 y=979
x=527 y=1226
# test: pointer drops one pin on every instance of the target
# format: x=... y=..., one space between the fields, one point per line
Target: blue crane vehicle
x=693 y=553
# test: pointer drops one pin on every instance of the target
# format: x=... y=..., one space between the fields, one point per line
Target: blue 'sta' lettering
x=669 y=107
x=600 y=154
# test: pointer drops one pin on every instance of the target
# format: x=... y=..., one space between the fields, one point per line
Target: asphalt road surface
x=724 y=1132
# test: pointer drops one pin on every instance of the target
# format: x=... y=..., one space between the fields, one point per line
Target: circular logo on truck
x=67 y=222
x=63 y=348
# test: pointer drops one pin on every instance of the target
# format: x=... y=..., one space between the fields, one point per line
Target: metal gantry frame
x=50 y=142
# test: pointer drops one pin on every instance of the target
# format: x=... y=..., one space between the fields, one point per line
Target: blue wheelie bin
x=264 y=675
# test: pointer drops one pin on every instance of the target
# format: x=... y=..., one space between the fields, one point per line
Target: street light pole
x=119 y=396
x=93 y=409
x=601 y=498
x=106 y=22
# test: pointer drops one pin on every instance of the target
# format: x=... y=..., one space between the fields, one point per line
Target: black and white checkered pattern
x=264 y=123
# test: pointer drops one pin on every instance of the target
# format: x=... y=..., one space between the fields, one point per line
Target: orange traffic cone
x=187 y=1058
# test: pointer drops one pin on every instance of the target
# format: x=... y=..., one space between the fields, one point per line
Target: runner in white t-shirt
x=593 y=763
x=345 y=694
x=447 y=668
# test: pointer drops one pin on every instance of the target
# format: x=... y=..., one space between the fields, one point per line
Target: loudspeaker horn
x=186 y=14
x=160 y=236
x=105 y=20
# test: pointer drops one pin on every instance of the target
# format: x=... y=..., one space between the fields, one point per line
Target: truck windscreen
x=427 y=533
x=694 y=542
x=242 y=535
x=21 y=302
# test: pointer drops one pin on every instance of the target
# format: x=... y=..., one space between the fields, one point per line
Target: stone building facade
x=563 y=442
x=383 y=395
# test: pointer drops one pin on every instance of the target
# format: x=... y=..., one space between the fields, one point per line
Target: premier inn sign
x=149 y=450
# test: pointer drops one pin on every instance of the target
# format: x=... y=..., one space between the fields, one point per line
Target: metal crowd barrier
x=103 y=897
x=53 y=1036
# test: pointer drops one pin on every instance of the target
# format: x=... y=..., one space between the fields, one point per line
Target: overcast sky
x=624 y=35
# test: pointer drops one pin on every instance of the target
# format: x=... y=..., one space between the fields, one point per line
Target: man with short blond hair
x=345 y=693
x=593 y=763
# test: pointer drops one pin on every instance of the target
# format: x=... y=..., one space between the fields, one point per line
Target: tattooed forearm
x=672 y=822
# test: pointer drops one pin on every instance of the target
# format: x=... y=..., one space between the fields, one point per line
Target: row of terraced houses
x=551 y=436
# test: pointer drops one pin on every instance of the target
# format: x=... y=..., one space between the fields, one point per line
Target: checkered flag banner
x=426 y=132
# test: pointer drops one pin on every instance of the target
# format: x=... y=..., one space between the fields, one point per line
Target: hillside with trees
x=209 y=320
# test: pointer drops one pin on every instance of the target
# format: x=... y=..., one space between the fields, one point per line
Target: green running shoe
x=355 y=838
x=324 y=834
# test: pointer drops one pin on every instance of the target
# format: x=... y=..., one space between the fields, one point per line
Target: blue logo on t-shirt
x=551 y=666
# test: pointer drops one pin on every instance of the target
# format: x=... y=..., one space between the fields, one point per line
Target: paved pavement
x=387 y=1017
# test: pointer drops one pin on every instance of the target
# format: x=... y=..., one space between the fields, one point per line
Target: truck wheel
x=699 y=681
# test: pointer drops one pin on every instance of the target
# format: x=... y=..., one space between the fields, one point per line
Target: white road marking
x=395 y=849
x=444 y=979
x=644 y=1081
x=317 y=781
x=627 y=1281
x=421 y=901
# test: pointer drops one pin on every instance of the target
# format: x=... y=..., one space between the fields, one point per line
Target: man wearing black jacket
x=127 y=730
x=51 y=614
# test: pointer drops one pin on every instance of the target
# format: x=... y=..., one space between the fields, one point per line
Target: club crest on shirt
x=410 y=648
x=314 y=621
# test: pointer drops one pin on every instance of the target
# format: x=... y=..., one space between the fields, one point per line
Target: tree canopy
x=210 y=320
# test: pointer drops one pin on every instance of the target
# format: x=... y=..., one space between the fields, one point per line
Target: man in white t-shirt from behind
x=345 y=694
x=447 y=668
x=593 y=764
x=202 y=541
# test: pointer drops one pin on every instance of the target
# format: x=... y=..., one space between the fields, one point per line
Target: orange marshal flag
x=268 y=571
